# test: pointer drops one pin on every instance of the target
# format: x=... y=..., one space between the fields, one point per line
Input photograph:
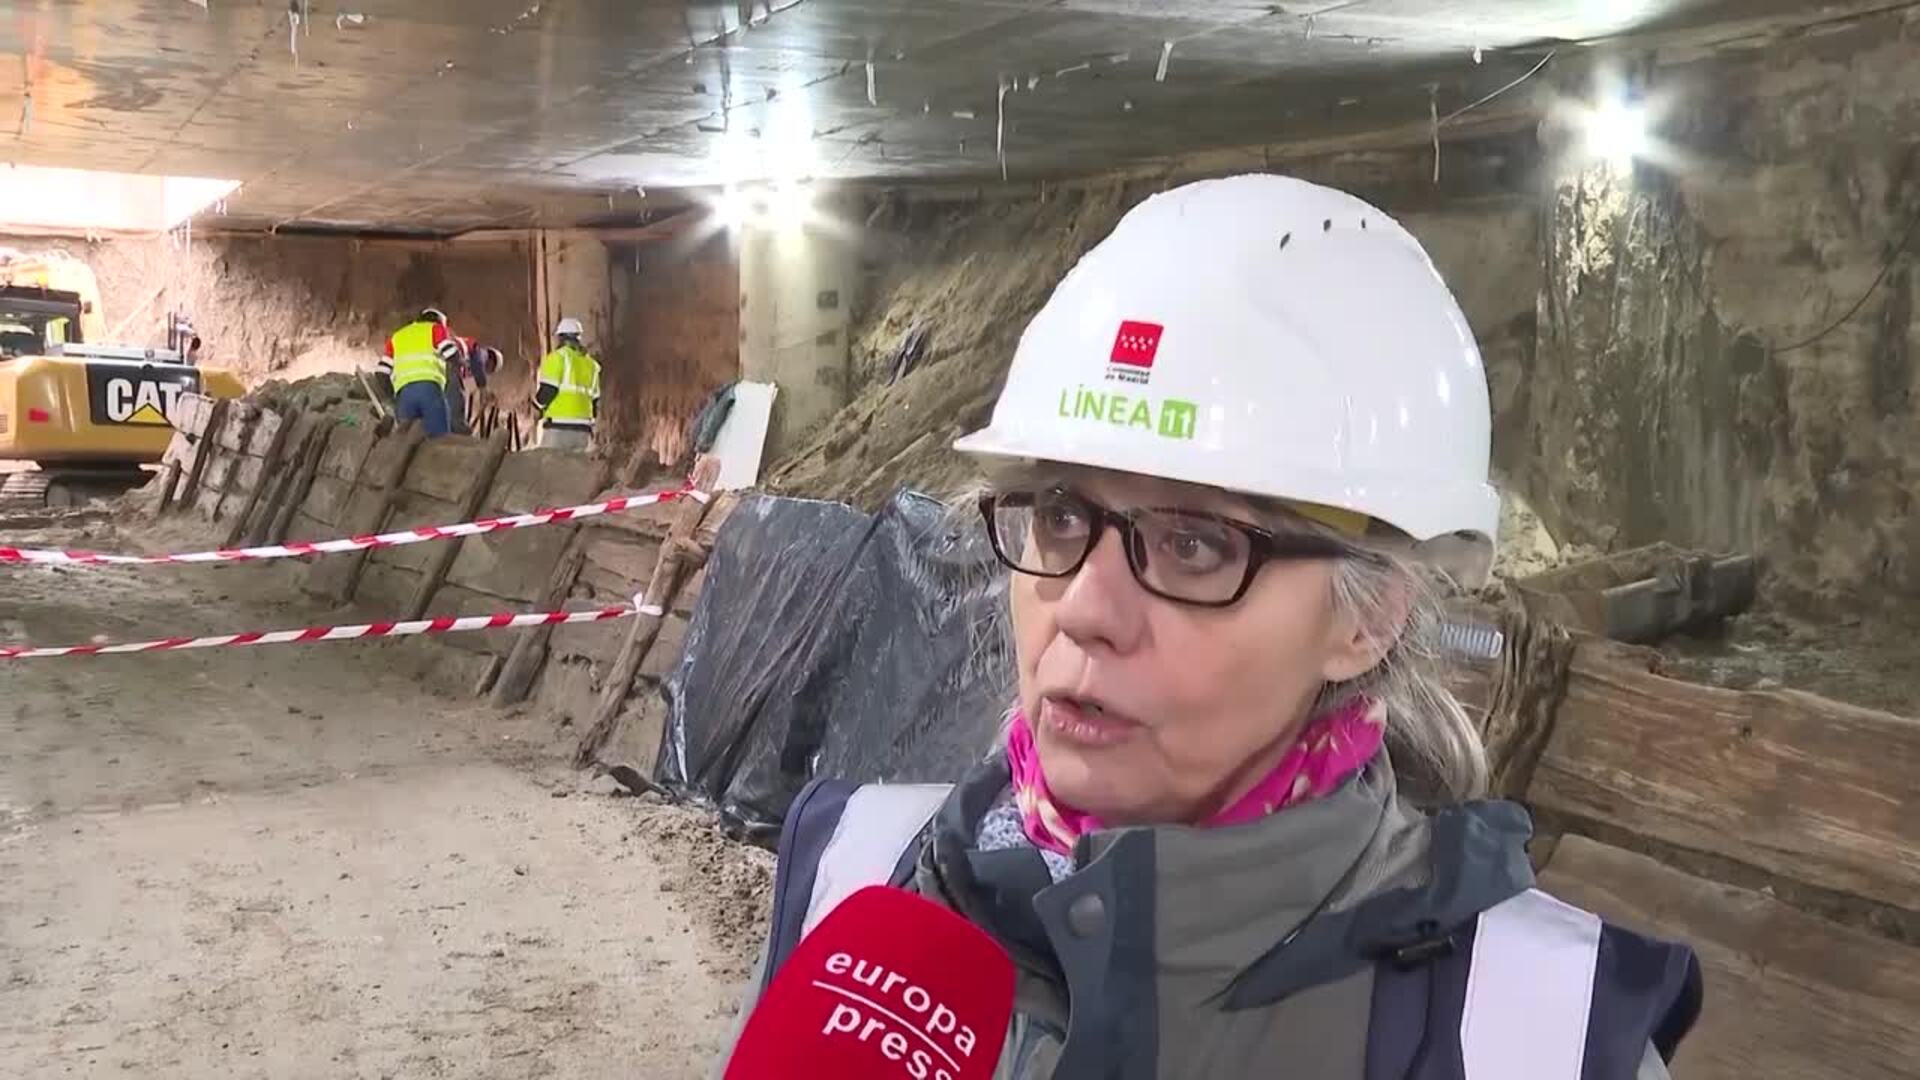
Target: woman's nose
x=1103 y=602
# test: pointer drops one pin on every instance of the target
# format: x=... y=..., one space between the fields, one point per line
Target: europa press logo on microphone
x=889 y=986
x=900 y=1017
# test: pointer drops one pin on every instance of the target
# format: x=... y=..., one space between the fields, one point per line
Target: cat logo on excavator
x=148 y=396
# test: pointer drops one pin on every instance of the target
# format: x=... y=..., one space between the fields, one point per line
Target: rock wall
x=291 y=306
x=1682 y=353
x=1725 y=349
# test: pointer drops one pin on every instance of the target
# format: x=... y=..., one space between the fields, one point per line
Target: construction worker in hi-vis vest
x=569 y=391
x=414 y=371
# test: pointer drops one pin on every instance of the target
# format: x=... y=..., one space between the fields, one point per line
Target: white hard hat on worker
x=568 y=327
x=1269 y=337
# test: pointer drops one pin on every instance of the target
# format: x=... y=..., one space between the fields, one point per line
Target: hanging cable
x=1899 y=249
x=1463 y=110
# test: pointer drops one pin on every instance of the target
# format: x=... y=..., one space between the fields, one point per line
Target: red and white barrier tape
x=446 y=624
x=355 y=543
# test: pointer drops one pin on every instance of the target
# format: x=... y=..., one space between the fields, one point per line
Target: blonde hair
x=1435 y=746
x=1395 y=599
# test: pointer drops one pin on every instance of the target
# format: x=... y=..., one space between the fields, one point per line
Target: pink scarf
x=1333 y=747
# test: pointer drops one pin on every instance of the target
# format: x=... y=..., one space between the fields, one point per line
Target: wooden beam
x=476 y=496
x=390 y=483
x=168 y=484
x=179 y=450
x=202 y=450
x=270 y=476
x=488 y=674
x=250 y=421
x=1530 y=680
x=282 y=479
x=1783 y=781
x=640 y=636
x=1643 y=595
x=1788 y=994
x=529 y=652
x=313 y=450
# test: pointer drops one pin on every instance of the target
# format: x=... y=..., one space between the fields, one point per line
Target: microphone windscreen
x=889 y=986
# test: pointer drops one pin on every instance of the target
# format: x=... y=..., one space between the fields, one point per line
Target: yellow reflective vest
x=576 y=377
x=415 y=359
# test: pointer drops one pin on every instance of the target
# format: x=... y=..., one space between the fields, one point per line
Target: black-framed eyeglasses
x=1186 y=556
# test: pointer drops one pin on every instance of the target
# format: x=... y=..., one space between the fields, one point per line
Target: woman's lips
x=1084 y=722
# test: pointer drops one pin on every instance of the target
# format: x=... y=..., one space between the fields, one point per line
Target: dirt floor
x=295 y=862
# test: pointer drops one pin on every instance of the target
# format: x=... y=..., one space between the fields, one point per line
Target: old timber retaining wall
x=1775 y=831
x=273 y=477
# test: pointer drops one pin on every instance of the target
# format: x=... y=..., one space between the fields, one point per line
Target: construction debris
x=1644 y=595
x=320 y=393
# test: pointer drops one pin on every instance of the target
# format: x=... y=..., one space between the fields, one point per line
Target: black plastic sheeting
x=830 y=642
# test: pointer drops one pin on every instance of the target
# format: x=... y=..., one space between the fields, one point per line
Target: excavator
x=88 y=415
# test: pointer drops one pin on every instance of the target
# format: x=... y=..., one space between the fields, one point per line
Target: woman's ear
x=1361 y=640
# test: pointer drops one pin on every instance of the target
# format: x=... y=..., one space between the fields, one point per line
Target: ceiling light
x=733 y=208
x=788 y=144
x=791 y=204
x=1616 y=131
x=86 y=200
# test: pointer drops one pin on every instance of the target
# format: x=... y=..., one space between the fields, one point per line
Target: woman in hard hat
x=1232 y=827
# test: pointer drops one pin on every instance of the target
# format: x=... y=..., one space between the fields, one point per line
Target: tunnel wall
x=1634 y=327
x=291 y=306
x=682 y=321
x=661 y=317
x=1698 y=377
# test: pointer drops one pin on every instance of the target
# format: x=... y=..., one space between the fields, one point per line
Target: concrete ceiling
x=446 y=115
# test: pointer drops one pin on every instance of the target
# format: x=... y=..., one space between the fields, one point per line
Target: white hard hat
x=1266 y=336
x=568 y=325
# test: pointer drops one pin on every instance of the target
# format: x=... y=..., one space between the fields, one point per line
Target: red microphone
x=889 y=986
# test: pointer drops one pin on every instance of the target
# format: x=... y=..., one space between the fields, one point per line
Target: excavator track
x=25 y=490
x=41 y=489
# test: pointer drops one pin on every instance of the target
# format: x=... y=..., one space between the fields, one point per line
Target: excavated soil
x=297 y=861
x=1872 y=662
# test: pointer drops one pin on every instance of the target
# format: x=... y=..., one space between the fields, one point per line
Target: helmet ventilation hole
x=1285 y=240
x=1327 y=225
x=1363 y=223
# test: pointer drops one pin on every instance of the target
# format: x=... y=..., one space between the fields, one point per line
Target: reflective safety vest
x=1529 y=989
x=576 y=376
x=414 y=357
